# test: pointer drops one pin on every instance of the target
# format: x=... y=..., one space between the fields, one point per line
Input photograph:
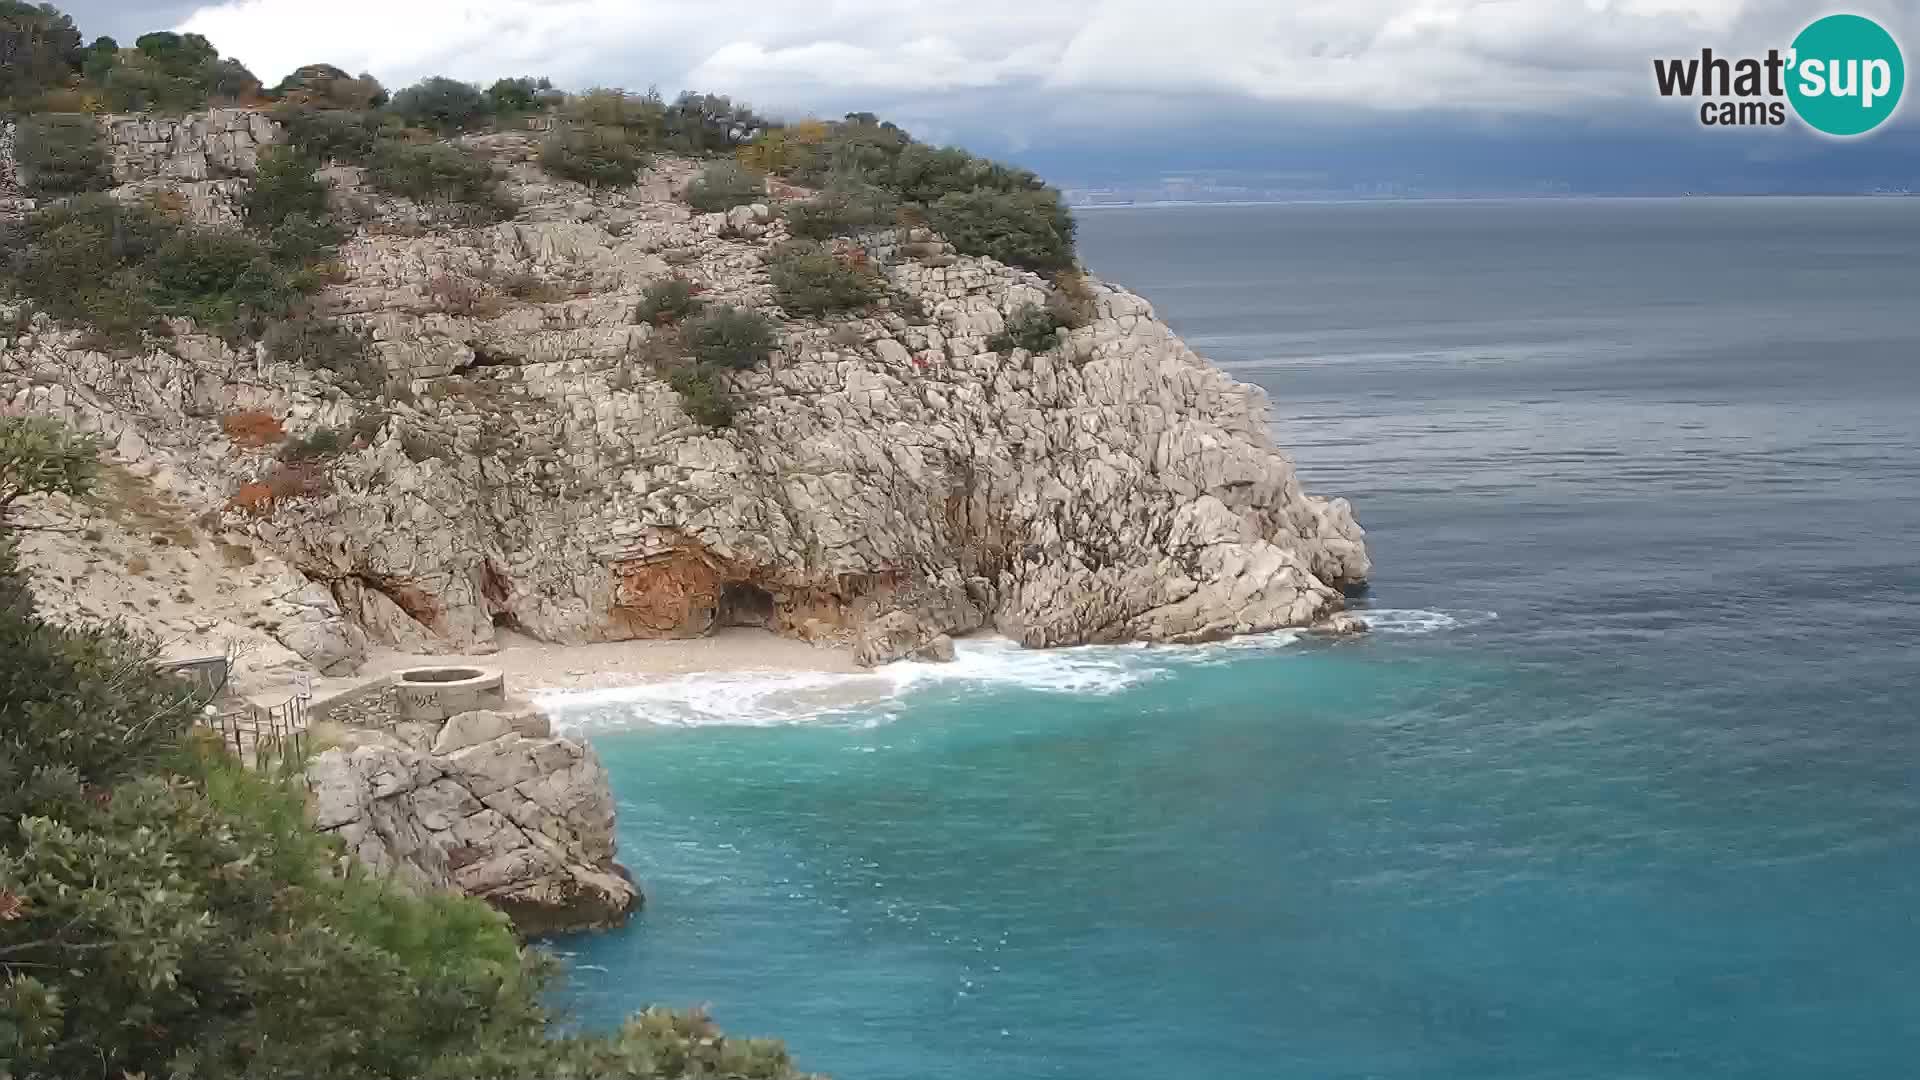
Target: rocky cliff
x=889 y=478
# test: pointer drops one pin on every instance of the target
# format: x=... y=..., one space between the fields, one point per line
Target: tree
x=39 y=49
x=595 y=155
x=441 y=104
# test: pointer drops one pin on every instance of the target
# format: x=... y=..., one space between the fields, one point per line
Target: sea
x=1624 y=784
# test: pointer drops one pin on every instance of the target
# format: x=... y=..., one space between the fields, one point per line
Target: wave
x=866 y=699
x=1418 y=621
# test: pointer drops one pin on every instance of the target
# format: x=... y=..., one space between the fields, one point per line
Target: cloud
x=1015 y=67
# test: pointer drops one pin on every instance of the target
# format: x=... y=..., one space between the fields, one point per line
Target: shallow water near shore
x=1628 y=783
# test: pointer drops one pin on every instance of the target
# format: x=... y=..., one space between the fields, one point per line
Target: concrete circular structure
x=432 y=694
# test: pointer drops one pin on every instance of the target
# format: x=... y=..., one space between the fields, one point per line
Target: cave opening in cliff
x=745 y=604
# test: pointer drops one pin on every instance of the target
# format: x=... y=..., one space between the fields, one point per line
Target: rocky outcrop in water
x=889 y=480
x=489 y=804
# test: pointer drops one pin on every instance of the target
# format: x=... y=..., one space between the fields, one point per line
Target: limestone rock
x=887 y=478
x=525 y=823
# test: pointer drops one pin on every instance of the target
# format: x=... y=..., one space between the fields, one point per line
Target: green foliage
x=40 y=457
x=315 y=445
x=222 y=278
x=983 y=207
x=708 y=124
x=667 y=300
x=812 y=279
x=322 y=344
x=595 y=155
x=62 y=154
x=729 y=337
x=704 y=394
x=82 y=262
x=510 y=97
x=840 y=211
x=443 y=105
x=438 y=173
x=287 y=204
x=724 y=185
x=332 y=134
x=1031 y=229
x=168 y=72
x=39 y=49
x=1030 y=327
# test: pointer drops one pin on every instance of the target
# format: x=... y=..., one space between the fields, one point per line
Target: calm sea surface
x=1627 y=786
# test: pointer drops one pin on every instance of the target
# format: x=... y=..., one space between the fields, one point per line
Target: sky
x=1473 y=93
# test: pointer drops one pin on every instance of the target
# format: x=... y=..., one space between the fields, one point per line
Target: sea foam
x=775 y=698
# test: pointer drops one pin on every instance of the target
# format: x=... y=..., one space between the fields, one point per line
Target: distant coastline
x=1556 y=197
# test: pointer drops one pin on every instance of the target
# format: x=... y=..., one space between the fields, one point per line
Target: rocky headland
x=892 y=476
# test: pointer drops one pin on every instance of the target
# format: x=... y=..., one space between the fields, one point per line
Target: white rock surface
x=888 y=479
x=489 y=805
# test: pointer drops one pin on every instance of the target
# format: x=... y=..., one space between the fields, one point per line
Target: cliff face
x=888 y=479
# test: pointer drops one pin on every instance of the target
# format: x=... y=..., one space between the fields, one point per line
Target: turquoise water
x=1628 y=785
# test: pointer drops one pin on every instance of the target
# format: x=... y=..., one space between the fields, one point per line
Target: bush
x=321 y=344
x=840 y=211
x=724 y=185
x=283 y=185
x=1030 y=229
x=331 y=134
x=704 y=394
x=221 y=278
x=510 y=97
x=440 y=104
x=596 y=155
x=667 y=300
x=62 y=154
x=1030 y=327
x=315 y=445
x=83 y=262
x=811 y=279
x=437 y=172
x=42 y=50
x=330 y=87
x=730 y=337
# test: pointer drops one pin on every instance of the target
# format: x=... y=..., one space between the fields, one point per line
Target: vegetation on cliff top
x=165 y=912
x=77 y=263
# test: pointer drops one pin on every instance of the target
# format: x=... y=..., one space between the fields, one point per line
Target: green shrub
x=82 y=262
x=597 y=155
x=1030 y=327
x=284 y=184
x=724 y=185
x=704 y=394
x=667 y=300
x=331 y=134
x=42 y=50
x=1030 y=229
x=838 y=212
x=222 y=278
x=811 y=279
x=315 y=445
x=729 y=337
x=512 y=97
x=437 y=173
x=322 y=344
x=440 y=104
x=61 y=154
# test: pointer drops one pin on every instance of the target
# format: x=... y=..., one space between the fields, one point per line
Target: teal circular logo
x=1846 y=75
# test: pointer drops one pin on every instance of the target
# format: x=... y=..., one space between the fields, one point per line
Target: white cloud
x=904 y=57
